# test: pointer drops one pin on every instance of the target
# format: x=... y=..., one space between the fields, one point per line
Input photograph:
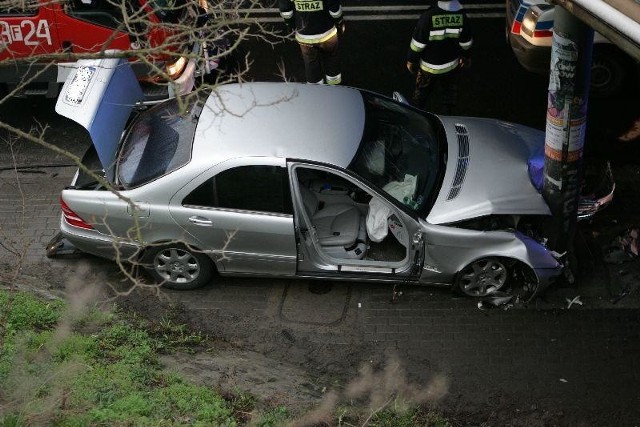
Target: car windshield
x=399 y=153
x=158 y=142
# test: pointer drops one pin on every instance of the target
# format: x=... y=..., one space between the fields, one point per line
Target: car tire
x=482 y=277
x=178 y=267
x=608 y=72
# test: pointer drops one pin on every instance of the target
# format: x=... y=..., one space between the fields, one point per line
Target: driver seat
x=340 y=227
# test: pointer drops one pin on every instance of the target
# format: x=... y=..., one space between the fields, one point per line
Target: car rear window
x=158 y=142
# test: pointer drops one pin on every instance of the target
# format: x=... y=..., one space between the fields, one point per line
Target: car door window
x=251 y=188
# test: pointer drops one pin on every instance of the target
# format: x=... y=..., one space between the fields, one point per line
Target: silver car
x=303 y=181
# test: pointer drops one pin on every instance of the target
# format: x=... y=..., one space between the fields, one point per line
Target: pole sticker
x=566 y=110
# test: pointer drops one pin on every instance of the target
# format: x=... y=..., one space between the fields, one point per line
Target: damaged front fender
x=547 y=265
x=450 y=249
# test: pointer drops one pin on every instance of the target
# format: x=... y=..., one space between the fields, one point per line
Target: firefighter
x=439 y=48
x=317 y=25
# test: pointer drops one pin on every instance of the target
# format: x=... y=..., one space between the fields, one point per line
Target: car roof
x=283 y=120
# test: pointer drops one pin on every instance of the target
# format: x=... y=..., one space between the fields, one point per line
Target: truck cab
x=40 y=40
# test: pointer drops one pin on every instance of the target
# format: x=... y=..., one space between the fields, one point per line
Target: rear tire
x=482 y=277
x=178 y=267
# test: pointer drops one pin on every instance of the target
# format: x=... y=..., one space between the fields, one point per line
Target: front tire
x=179 y=267
x=482 y=277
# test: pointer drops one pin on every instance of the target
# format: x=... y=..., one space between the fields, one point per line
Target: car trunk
x=86 y=178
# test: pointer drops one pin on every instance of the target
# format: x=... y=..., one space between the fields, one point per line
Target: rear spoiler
x=100 y=95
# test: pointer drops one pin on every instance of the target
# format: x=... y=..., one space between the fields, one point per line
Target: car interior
x=337 y=210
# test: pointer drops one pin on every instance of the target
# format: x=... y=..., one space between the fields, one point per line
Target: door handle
x=198 y=220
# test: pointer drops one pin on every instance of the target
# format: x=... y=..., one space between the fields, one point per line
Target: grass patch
x=105 y=377
x=409 y=418
x=274 y=417
x=25 y=312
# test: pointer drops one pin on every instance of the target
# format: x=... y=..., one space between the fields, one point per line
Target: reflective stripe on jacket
x=439 y=68
x=441 y=37
x=314 y=19
x=316 y=38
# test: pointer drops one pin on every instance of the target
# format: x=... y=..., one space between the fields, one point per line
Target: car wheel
x=608 y=72
x=482 y=277
x=178 y=267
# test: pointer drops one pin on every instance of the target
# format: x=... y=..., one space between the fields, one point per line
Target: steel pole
x=570 y=74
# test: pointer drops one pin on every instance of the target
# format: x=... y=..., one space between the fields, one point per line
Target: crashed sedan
x=303 y=181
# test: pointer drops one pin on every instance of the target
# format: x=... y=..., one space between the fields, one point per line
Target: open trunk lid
x=100 y=95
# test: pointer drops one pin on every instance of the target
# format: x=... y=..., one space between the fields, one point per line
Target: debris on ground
x=575 y=300
x=498 y=299
x=623 y=248
x=396 y=294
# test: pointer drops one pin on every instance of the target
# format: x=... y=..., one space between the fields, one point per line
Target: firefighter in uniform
x=439 y=48
x=317 y=25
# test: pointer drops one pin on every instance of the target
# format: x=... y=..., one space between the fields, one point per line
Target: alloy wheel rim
x=176 y=266
x=483 y=277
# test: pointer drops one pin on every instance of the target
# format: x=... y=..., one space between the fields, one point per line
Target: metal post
x=570 y=74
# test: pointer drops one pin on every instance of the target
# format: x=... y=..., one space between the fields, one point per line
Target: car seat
x=340 y=227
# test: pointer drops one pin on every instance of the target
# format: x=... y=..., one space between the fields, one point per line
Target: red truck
x=41 y=39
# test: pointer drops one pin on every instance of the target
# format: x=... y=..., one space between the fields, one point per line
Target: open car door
x=346 y=230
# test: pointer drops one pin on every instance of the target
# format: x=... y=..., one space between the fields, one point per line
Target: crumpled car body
x=262 y=179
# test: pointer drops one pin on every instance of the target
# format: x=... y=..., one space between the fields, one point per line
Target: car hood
x=100 y=95
x=487 y=171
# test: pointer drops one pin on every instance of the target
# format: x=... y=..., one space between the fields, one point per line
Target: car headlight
x=175 y=69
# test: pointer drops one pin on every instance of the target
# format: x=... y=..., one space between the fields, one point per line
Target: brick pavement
x=30 y=211
x=528 y=353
